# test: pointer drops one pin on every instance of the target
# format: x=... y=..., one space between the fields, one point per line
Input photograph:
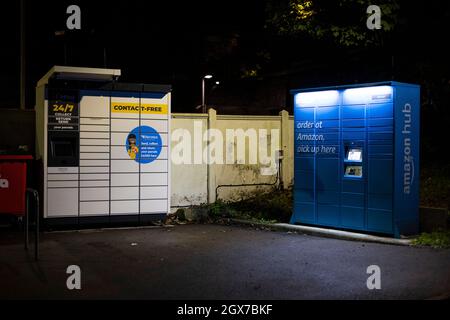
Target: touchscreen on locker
x=354 y=154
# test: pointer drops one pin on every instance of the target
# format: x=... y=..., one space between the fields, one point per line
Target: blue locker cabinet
x=357 y=157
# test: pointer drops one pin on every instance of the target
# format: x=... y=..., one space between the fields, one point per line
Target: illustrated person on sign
x=132 y=147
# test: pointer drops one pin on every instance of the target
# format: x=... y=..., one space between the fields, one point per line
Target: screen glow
x=354 y=155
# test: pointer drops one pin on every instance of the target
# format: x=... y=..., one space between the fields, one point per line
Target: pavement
x=216 y=262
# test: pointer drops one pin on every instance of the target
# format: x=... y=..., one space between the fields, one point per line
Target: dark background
x=150 y=41
x=177 y=42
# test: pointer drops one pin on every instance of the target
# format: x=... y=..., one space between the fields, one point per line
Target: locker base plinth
x=93 y=222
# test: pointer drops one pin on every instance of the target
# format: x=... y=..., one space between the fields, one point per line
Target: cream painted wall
x=189 y=182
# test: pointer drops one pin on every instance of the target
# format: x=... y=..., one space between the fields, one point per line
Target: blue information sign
x=143 y=144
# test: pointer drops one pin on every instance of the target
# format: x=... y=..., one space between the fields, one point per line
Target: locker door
x=125 y=147
x=94 y=154
x=155 y=164
x=380 y=167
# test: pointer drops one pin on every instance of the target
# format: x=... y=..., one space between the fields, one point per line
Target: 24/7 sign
x=62 y=116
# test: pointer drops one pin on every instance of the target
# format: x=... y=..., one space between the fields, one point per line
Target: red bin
x=13 y=183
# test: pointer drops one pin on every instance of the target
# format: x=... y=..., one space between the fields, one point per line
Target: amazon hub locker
x=357 y=157
x=104 y=147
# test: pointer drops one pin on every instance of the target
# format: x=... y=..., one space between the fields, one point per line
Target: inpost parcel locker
x=104 y=147
x=357 y=157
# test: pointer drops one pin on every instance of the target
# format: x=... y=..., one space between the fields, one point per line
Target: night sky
x=176 y=42
x=151 y=41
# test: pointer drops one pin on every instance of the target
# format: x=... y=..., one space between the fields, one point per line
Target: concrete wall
x=242 y=170
x=189 y=181
x=194 y=184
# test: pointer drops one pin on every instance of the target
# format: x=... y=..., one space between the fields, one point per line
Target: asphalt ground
x=216 y=262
